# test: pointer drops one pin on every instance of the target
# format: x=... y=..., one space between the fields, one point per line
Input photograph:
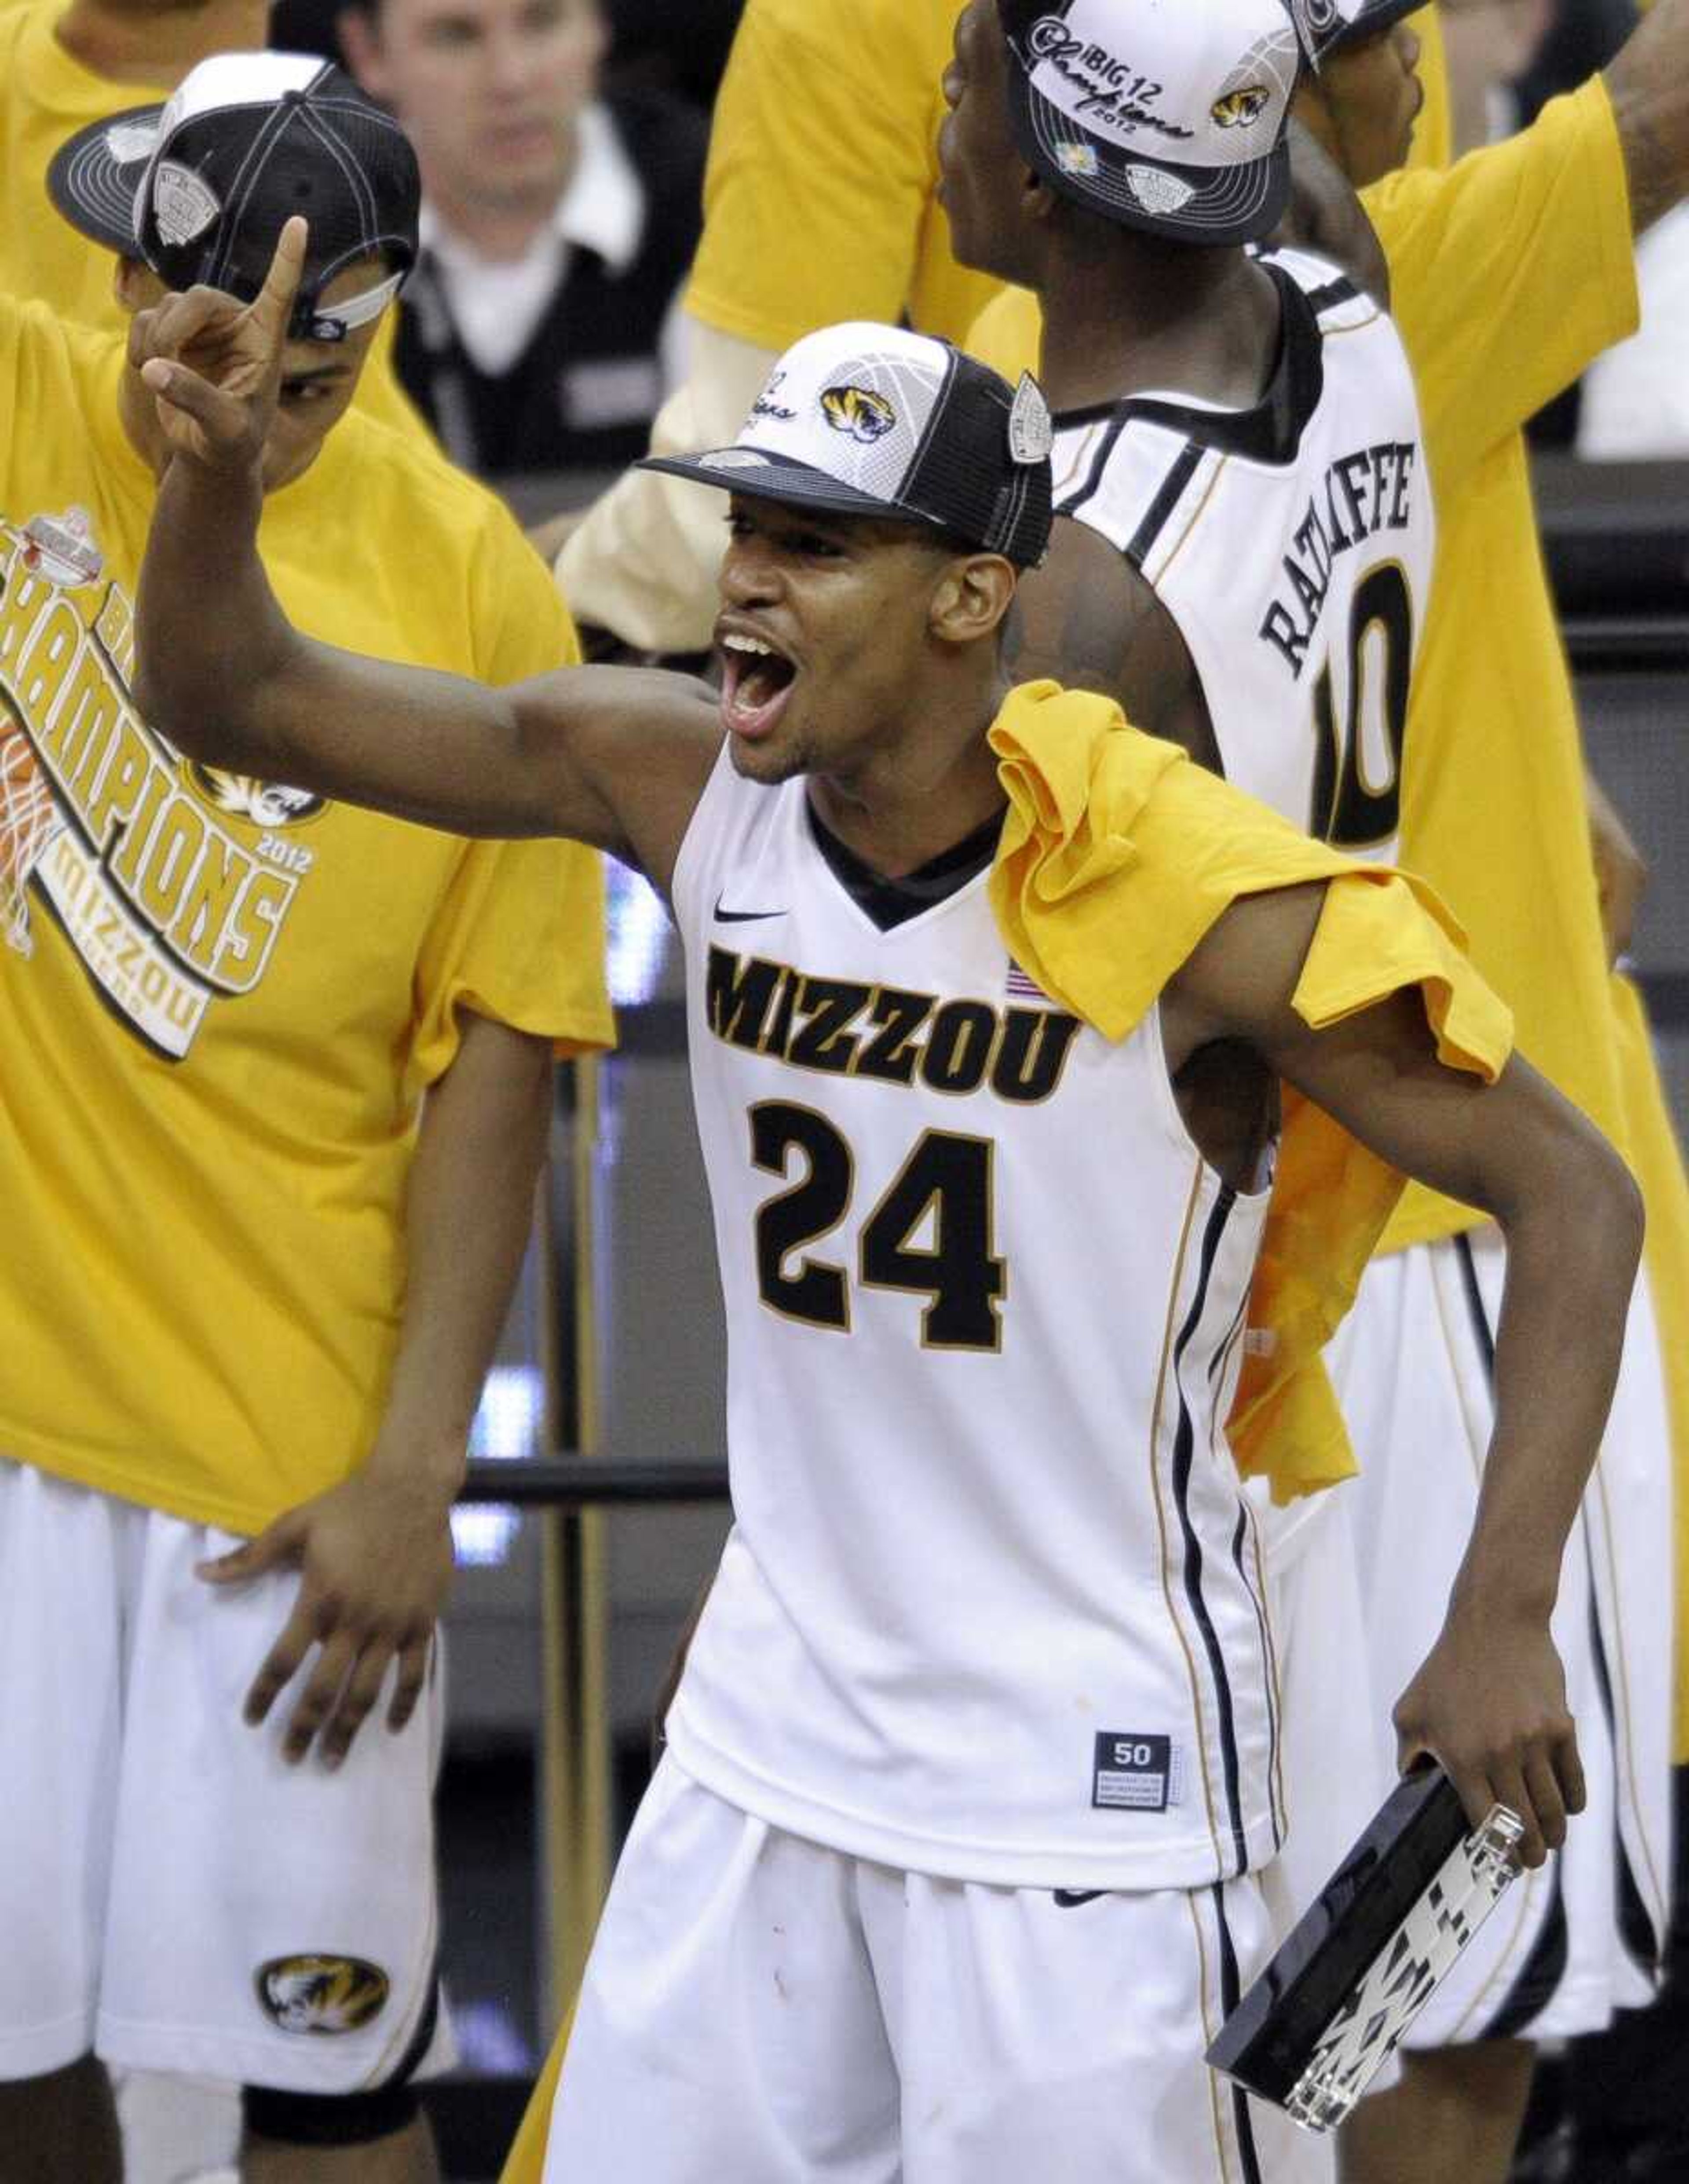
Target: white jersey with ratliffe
x=992 y=1606
x=1291 y=543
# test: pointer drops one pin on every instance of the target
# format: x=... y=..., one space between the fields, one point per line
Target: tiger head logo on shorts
x=1240 y=109
x=321 y=1994
x=865 y=415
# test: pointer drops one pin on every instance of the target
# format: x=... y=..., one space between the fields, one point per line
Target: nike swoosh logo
x=1069 y=1899
x=743 y=916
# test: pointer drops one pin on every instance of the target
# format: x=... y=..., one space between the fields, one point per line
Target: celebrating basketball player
x=981 y=1708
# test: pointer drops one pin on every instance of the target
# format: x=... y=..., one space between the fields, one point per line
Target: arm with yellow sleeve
x=819 y=206
x=1513 y=270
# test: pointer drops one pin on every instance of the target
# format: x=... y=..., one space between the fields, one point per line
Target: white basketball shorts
x=1413 y=1363
x=761 y=2009
x=172 y=1894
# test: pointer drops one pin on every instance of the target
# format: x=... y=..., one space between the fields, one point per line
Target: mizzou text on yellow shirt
x=224 y=998
x=833 y=106
x=45 y=96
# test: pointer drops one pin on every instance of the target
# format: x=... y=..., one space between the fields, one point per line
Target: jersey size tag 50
x=1135 y=1772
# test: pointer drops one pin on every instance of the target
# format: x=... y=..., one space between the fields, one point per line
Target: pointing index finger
x=275 y=304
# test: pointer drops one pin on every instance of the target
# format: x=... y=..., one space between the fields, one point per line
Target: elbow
x=1599 y=1212
x=165 y=707
x=1570 y=1197
x=153 y=702
x=1616 y=1208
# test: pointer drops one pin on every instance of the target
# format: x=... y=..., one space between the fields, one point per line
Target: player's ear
x=1038 y=201
x=970 y=598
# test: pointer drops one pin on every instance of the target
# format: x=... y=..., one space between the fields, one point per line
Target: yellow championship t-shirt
x=47 y=97
x=833 y=106
x=222 y=998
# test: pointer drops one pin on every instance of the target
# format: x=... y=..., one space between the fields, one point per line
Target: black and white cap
x=864 y=420
x=1167 y=116
x=200 y=187
x=1324 y=27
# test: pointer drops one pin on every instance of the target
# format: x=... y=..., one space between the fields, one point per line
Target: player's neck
x=1136 y=316
x=914 y=800
x=156 y=48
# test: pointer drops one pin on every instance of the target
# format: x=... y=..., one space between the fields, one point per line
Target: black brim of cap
x=93 y=188
x=1371 y=21
x=1216 y=205
x=762 y=477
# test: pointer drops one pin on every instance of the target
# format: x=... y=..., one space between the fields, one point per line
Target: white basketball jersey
x=1292 y=544
x=992 y=1605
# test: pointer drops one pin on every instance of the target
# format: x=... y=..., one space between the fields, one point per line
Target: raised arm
x=1490 y=1700
x=602 y=755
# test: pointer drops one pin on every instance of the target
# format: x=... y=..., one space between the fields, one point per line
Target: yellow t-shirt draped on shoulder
x=232 y=995
x=1117 y=855
x=45 y=96
x=819 y=202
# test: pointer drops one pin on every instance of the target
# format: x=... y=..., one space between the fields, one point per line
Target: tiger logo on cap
x=860 y=412
x=1241 y=109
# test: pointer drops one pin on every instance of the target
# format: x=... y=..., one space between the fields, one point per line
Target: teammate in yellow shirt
x=277 y=1088
x=65 y=64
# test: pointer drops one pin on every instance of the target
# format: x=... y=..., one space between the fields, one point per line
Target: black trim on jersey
x=1269 y=432
x=1474 y=1305
x=1340 y=291
x=892 y=902
x=1186 y=465
x=1119 y=414
x=1217 y=1365
x=1643 y=1943
x=1231 y=1988
x=1184 y=1447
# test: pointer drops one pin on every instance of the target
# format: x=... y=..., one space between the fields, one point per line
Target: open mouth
x=756 y=681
